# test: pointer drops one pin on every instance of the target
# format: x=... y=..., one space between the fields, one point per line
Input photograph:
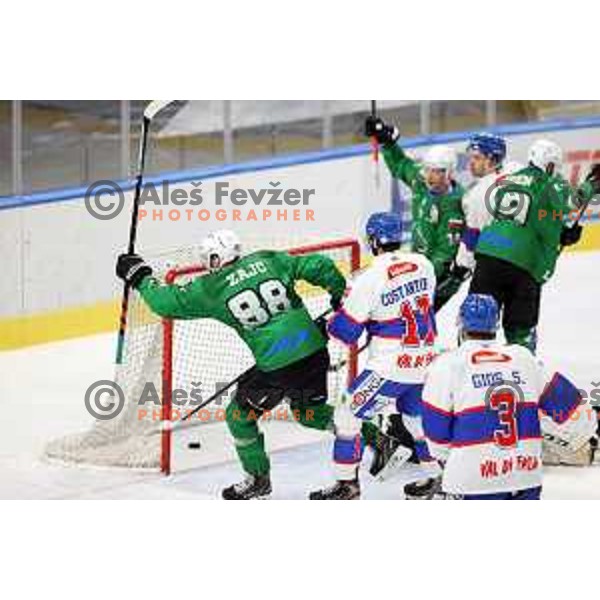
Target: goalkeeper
x=255 y=295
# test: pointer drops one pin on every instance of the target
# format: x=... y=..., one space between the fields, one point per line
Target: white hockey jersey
x=476 y=205
x=392 y=302
x=480 y=416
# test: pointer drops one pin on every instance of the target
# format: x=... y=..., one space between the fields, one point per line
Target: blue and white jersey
x=480 y=416
x=477 y=204
x=392 y=302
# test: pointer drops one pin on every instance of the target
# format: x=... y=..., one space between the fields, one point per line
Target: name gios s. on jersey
x=480 y=416
x=391 y=301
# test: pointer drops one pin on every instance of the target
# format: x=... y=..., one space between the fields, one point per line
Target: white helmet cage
x=219 y=248
x=545 y=152
x=441 y=157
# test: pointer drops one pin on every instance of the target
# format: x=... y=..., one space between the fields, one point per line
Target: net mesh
x=205 y=356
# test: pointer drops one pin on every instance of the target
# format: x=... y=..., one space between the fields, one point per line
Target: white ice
x=42 y=392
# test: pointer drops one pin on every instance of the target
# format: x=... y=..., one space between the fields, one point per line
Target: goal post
x=173 y=357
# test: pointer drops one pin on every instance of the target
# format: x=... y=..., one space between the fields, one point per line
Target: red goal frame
x=171 y=276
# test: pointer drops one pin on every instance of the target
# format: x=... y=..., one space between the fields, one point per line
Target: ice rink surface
x=42 y=390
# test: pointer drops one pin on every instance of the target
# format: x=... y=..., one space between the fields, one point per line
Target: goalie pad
x=573 y=442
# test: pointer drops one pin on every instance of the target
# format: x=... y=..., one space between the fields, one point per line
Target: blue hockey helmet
x=479 y=313
x=384 y=228
x=490 y=145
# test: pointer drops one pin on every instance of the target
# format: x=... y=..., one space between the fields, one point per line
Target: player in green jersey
x=517 y=252
x=437 y=219
x=255 y=295
x=437 y=216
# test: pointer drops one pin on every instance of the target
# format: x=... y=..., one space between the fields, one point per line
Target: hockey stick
x=233 y=382
x=340 y=365
x=150 y=112
x=374 y=143
x=375 y=151
x=579 y=216
x=582 y=210
x=332 y=369
x=218 y=393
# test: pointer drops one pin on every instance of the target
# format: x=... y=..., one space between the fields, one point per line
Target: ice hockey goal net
x=171 y=366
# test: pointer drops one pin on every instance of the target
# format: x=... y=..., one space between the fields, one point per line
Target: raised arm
x=402 y=167
x=175 y=301
x=171 y=301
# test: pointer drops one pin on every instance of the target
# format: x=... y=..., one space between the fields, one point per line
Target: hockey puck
x=194 y=445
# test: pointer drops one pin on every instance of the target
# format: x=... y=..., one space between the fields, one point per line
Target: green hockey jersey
x=256 y=296
x=437 y=220
x=529 y=209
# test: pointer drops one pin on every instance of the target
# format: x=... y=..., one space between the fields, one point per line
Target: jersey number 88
x=255 y=308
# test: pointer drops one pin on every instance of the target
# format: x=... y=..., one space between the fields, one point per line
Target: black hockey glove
x=131 y=268
x=335 y=303
x=570 y=235
x=449 y=284
x=321 y=324
x=386 y=135
x=594 y=178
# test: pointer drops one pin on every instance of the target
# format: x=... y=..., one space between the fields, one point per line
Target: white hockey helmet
x=545 y=152
x=440 y=157
x=219 y=248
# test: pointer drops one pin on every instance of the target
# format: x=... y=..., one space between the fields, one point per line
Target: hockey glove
x=449 y=284
x=335 y=303
x=594 y=178
x=570 y=235
x=321 y=324
x=132 y=269
x=386 y=135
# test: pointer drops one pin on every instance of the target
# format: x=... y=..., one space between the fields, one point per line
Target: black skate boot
x=385 y=446
x=341 y=490
x=424 y=489
x=254 y=487
x=387 y=443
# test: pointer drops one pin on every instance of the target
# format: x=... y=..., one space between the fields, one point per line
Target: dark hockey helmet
x=490 y=145
x=384 y=228
x=479 y=314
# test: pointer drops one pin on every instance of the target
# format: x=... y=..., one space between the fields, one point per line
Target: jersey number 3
x=254 y=309
x=504 y=402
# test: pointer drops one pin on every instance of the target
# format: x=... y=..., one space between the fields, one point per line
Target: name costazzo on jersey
x=391 y=302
